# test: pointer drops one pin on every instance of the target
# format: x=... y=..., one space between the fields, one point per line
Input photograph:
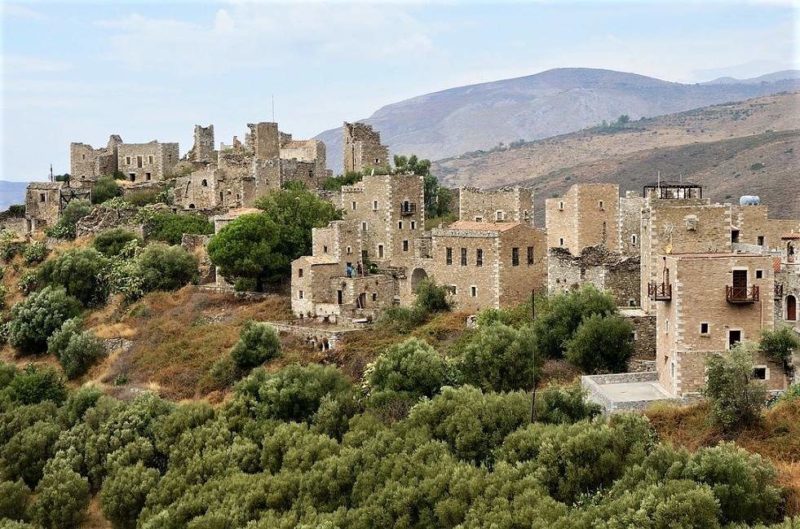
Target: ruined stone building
x=506 y=205
x=787 y=281
x=362 y=148
x=483 y=264
x=712 y=302
x=44 y=202
x=608 y=271
x=87 y=164
x=147 y=162
x=237 y=174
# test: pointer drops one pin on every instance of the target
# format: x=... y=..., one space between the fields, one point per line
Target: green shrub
x=111 y=242
x=500 y=358
x=28 y=282
x=124 y=493
x=61 y=497
x=564 y=314
x=292 y=394
x=14 y=497
x=3 y=294
x=83 y=350
x=105 y=188
x=258 y=343
x=25 y=454
x=10 y=246
x=401 y=319
x=736 y=399
x=601 y=344
x=431 y=297
x=402 y=374
x=170 y=227
x=33 y=385
x=564 y=405
x=163 y=267
x=34 y=319
x=58 y=341
x=35 y=252
x=144 y=197
x=779 y=344
x=73 y=212
x=81 y=272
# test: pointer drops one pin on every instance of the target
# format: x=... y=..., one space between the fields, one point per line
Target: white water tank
x=749 y=200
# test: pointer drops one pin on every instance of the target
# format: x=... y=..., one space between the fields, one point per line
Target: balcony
x=741 y=295
x=659 y=291
x=408 y=208
x=778 y=291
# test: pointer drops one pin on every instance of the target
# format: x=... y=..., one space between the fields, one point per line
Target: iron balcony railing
x=408 y=208
x=742 y=294
x=659 y=291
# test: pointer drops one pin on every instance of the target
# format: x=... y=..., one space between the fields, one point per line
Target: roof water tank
x=749 y=200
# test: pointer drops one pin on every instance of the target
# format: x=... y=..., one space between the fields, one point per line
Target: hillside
x=480 y=116
x=732 y=149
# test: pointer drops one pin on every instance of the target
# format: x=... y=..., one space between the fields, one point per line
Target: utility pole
x=533 y=359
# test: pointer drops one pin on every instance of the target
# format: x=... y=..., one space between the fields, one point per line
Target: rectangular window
x=380 y=251
x=127 y=160
x=374 y=205
x=374 y=296
x=42 y=197
x=734 y=337
x=449 y=256
x=413 y=225
x=514 y=256
x=759 y=274
x=353 y=205
x=139 y=161
x=363 y=226
x=150 y=159
x=530 y=255
x=148 y=176
x=561 y=206
x=463 y=257
x=300 y=295
x=760 y=373
x=479 y=257
x=600 y=204
x=324 y=249
x=760 y=240
x=299 y=272
x=561 y=241
x=405 y=246
x=704 y=328
x=473 y=290
x=400 y=225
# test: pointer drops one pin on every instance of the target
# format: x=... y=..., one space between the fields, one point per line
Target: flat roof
x=709 y=255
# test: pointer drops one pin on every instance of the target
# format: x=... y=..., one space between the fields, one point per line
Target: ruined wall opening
x=417 y=276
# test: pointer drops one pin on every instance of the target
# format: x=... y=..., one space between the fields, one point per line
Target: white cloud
x=265 y=34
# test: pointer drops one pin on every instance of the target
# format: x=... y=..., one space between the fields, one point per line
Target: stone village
x=693 y=277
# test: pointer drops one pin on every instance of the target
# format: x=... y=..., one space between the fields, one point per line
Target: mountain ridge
x=456 y=120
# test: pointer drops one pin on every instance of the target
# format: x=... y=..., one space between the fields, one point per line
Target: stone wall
x=88 y=163
x=755 y=227
x=630 y=224
x=506 y=205
x=103 y=218
x=587 y=215
x=42 y=204
x=596 y=265
x=644 y=333
x=203 y=149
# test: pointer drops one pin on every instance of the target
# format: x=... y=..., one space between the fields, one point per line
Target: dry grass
x=178 y=336
x=776 y=437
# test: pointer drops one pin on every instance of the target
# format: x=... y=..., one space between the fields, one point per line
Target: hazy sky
x=151 y=70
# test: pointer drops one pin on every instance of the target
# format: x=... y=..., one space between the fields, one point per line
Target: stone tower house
x=362 y=148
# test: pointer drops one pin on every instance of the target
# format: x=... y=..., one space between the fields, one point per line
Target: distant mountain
x=11 y=193
x=550 y=103
x=768 y=78
x=749 y=147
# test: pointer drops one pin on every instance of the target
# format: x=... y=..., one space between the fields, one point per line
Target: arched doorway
x=791 y=308
x=416 y=277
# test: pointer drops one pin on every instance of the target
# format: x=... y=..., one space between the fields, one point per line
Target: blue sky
x=151 y=70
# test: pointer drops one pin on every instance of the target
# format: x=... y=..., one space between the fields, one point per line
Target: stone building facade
x=713 y=301
x=750 y=224
x=42 y=204
x=587 y=215
x=87 y=164
x=787 y=281
x=505 y=205
x=147 y=162
x=486 y=264
x=363 y=149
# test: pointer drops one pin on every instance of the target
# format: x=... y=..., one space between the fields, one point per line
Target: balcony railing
x=778 y=291
x=659 y=291
x=408 y=208
x=741 y=294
